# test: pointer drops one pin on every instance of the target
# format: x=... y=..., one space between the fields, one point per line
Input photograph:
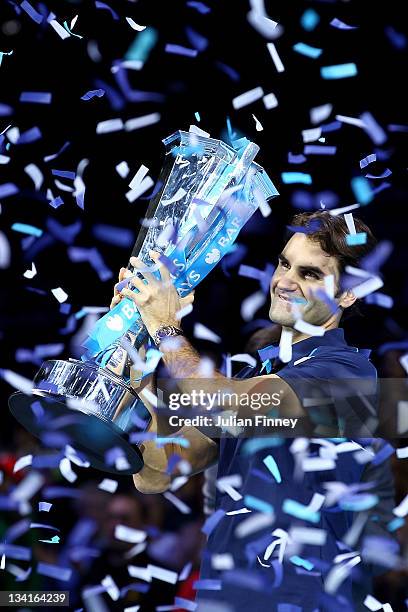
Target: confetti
x=307 y=50
x=139 y=122
x=309 y=20
x=203 y=333
x=294 y=508
x=36 y=97
x=337 y=23
x=93 y=93
x=320 y=113
x=180 y=50
x=110 y=125
x=31 y=12
x=275 y=57
x=5 y=252
x=270 y=101
x=296 y=177
x=362 y=190
x=247 y=98
x=59 y=294
x=272 y=466
x=339 y=71
x=134 y=25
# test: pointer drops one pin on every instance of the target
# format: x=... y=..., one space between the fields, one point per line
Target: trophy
x=208 y=191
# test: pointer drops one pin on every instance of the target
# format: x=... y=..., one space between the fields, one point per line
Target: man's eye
x=311 y=275
x=284 y=264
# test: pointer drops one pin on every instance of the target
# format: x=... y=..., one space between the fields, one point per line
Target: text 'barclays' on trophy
x=208 y=190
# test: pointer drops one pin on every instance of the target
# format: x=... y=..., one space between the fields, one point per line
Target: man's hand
x=157 y=301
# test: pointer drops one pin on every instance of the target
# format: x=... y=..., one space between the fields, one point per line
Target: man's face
x=301 y=271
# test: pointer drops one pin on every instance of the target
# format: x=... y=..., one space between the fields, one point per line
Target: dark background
x=234 y=60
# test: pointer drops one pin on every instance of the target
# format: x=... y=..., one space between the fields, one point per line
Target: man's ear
x=347 y=299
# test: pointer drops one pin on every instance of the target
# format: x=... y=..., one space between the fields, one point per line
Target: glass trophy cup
x=208 y=191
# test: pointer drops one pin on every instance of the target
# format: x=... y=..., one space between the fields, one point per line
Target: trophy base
x=88 y=434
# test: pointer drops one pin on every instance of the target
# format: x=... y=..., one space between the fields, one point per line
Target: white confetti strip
x=17 y=381
x=128 y=534
x=308 y=535
x=66 y=470
x=320 y=113
x=285 y=345
x=402 y=453
x=35 y=175
x=308 y=328
x=122 y=169
x=245 y=358
x=251 y=304
x=30 y=273
x=59 y=294
x=203 y=333
x=180 y=193
x=270 y=101
x=254 y=523
x=222 y=561
x=108 y=485
x=134 y=25
x=372 y=603
x=139 y=122
x=178 y=503
x=402 y=509
x=350 y=120
x=28 y=487
x=338 y=574
x=111 y=587
x=258 y=124
x=312 y=134
x=275 y=57
x=329 y=285
x=316 y=464
x=139 y=176
x=160 y=573
x=5 y=251
x=402 y=406
x=247 y=98
x=62 y=32
x=350 y=223
x=144 y=186
x=110 y=125
x=22 y=462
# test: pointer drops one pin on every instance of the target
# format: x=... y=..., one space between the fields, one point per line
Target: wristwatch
x=166 y=331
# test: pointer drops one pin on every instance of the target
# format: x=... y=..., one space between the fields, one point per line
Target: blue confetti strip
x=198 y=41
x=258 y=504
x=272 y=466
x=31 y=12
x=309 y=20
x=296 y=177
x=207 y=585
x=93 y=93
x=354 y=239
x=180 y=50
x=68 y=174
x=7 y=189
x=36 y=97
x=319 y=150
x=307 y=50
x=300 y=562
x=30 y=135
x=27 y=229
x=212 y=521
x=294 y=508
x=103 y=5
x=339 y=71
x=199 y=6
x=362 y=189
x=358 y=503
x=142 y=45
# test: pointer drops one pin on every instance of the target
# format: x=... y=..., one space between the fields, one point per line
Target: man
x=269 y=565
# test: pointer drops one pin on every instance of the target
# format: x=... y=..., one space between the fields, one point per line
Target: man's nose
x=287 y=281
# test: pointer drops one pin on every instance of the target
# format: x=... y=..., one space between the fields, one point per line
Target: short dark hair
x=331 y=231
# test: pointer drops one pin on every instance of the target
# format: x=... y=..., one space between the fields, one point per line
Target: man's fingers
x=141 y=267
x=115 y=300
x=163 y=269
